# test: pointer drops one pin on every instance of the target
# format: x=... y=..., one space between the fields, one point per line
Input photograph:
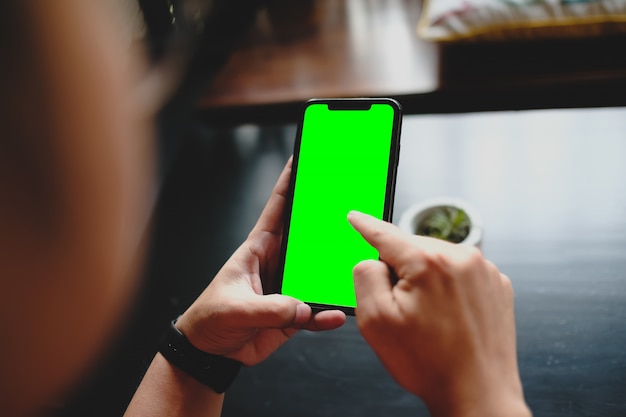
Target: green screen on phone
x=342 y=164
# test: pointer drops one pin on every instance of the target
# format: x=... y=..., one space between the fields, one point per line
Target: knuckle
x=437 y=259
x=453 y=262
x=469 y=259
x=364 y=268
x=412 y=253
x=272 y=304
x=473 y=254
x=369 y=319
x=507 y=284
x=377 y=234
x=437 y=262
x=413 y=263
x=491 y=267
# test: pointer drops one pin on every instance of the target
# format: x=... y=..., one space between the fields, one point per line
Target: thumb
x=276 y=311
x=372 y=285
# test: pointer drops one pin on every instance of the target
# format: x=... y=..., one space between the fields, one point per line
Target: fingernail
x=303 y=313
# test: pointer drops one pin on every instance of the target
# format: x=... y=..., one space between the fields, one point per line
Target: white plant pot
x=416 y=213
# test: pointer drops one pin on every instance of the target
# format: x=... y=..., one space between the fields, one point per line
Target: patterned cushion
x=454 y=20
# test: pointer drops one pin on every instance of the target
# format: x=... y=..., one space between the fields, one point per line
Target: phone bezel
x=339 y=104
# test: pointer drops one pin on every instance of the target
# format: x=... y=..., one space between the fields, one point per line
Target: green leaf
x=447 y=223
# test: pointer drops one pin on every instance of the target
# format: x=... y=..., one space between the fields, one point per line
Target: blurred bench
x=304 y=49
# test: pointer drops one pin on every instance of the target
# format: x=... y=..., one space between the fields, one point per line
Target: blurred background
x=514 y=107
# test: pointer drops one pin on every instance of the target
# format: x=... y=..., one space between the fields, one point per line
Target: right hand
x=446 y=330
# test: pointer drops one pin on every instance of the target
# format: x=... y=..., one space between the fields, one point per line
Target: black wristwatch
x=214 y=371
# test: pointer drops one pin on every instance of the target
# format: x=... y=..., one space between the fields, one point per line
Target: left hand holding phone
x=232 y=317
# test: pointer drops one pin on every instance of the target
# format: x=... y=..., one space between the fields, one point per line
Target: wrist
x=511 y=409
x=501 y=408
x=214 y=371
x=184 y=384
x=168 y=391
x=498 y=398
x=184 y=323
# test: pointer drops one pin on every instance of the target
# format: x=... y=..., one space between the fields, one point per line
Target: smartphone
x=345 y=158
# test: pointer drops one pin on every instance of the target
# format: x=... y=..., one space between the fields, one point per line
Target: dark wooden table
x=550 y=188
x=341 y=48
x=549 y=185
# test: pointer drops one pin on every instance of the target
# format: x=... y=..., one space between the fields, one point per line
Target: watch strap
x=214 y=371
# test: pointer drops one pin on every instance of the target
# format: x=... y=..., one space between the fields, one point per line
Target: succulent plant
x=447 y=223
